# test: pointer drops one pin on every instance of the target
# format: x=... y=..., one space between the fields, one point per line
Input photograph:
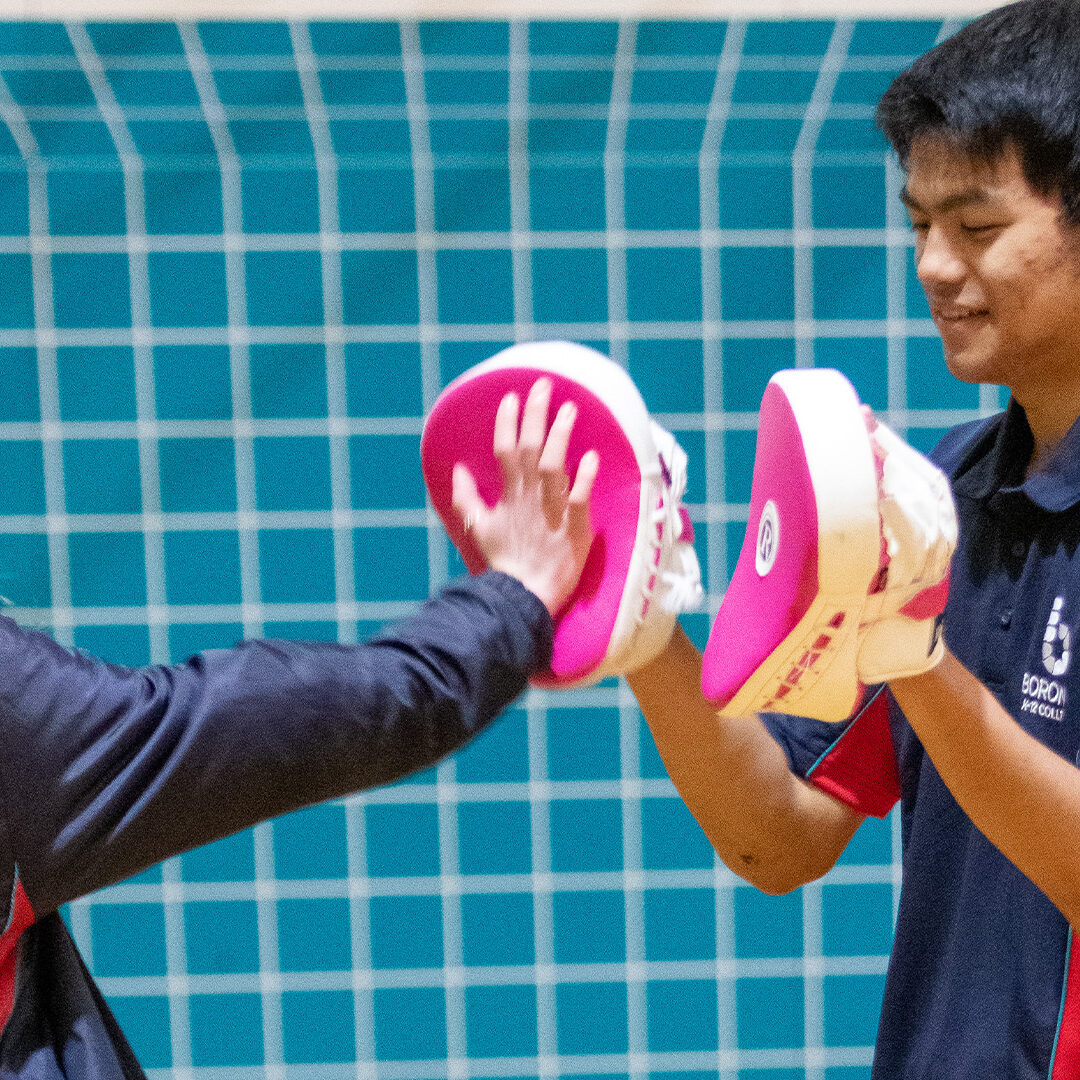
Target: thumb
x=465 y=496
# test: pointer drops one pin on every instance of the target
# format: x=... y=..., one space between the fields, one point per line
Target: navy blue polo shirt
x=980 y=982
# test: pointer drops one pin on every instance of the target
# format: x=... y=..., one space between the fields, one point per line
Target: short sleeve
x=854 y=762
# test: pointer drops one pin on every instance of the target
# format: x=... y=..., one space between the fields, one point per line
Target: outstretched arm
x=769 y=826
x=107 y=769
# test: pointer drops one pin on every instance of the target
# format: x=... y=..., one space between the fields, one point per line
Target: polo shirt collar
x=1001 y=466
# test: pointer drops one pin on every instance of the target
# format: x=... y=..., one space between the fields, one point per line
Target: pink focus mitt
x=642 y=569
x=843 y=574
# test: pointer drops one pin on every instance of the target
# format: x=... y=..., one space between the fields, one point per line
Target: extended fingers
x=519 y=454
x=466 y=498
x=506 y=429
x=553 y=457
x=534 y=421
x=552 y=464
x=578 y=501
x=504 y=444
x=585 y=477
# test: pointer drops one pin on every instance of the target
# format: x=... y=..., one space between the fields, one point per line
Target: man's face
x=1000 y=270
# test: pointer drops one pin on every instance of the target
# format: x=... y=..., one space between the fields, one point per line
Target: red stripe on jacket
x=22 y=916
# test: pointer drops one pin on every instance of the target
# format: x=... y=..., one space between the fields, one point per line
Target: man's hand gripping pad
x=642 y=569
x=843 y=574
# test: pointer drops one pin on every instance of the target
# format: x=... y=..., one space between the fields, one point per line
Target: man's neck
x=1050 y=421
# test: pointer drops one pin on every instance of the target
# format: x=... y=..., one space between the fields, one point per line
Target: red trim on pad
x=21 y=917
x=1067 y=1051
x=860 y=767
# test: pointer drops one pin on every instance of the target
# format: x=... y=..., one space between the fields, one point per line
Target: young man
x=106 y=770
x=982 y=750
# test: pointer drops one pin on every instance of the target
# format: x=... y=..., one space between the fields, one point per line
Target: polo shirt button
x=1006 y=619
x=1018 y=548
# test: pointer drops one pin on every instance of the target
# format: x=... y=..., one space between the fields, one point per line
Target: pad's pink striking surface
x=461 y=428
x=758 y=611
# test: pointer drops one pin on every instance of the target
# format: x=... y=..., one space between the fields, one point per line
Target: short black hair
x=1009 y=79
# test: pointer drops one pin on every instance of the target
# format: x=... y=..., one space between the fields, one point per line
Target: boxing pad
x=641 y=570
x=843 y=573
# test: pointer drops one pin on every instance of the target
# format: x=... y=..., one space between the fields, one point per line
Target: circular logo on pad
x=768 y=538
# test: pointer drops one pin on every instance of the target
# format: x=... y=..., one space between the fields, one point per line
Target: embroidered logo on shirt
x=1042 y=696
x=1057 y=642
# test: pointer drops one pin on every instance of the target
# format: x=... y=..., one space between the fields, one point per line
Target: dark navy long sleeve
x=105 y=770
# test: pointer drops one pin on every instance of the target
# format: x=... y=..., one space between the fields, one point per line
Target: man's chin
x=971 y=366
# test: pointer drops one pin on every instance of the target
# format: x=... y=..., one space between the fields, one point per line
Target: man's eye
x=979 y=228
x=920 y=227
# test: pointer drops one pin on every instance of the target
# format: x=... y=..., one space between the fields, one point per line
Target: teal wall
x=238 y=263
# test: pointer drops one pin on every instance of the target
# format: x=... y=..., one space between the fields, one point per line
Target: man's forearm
x=766 y=824
x=1022 y=796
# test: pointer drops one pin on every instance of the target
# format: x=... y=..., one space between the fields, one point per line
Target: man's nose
x=936 y=261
